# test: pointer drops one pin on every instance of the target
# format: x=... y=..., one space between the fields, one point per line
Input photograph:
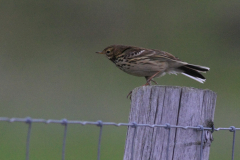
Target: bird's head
x=114 y=50
x=109 y=51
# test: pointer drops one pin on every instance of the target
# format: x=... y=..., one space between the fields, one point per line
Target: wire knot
x=168 y=126
x=100 y=123
x=233 y=129
x=28 y=120
x=200 y=128
x=134 y=125
x=213 y=128
x=64 y=122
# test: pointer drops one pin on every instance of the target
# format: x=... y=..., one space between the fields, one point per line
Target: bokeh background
x=49 y=68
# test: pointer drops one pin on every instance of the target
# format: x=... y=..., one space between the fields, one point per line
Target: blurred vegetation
x=49 y=68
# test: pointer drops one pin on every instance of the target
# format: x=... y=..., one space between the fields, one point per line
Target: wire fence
x=100 y=124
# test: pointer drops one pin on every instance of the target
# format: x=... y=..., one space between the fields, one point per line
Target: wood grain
x=174 y=105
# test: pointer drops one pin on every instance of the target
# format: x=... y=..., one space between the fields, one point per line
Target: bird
x=151 y=63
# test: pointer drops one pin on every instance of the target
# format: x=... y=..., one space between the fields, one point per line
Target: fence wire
x=100 y=124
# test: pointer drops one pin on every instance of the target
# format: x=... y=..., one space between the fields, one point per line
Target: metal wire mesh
x=100 y=124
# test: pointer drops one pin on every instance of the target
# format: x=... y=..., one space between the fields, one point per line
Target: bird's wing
x=162 y=54
x=149 y=53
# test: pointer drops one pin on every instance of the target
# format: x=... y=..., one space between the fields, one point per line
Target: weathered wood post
x=181 y=106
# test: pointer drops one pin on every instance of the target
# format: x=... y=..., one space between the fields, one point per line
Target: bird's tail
x=193 y=71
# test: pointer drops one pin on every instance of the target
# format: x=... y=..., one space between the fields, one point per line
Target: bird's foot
x=130 y=95
x=147 y=84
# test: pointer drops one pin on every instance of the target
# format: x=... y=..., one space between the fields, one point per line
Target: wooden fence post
x=182 y=106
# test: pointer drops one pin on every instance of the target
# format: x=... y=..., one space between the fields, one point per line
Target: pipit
x=151 y=63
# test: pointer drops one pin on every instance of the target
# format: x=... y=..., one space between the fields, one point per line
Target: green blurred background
x=49 y=68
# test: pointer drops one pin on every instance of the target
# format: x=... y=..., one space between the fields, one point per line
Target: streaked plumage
x=151 y=63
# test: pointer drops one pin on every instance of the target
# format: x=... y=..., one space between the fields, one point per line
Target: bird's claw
x=129 y=95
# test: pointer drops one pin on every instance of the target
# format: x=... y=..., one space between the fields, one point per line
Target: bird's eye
x=108 y=51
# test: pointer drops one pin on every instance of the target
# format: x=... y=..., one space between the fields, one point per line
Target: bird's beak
x=99 y=52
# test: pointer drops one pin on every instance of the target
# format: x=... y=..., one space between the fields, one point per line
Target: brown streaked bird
x=151 y=63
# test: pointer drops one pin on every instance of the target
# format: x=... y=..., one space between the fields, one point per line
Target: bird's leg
x=154 y=81
x=148 y=83
x=151 y=78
